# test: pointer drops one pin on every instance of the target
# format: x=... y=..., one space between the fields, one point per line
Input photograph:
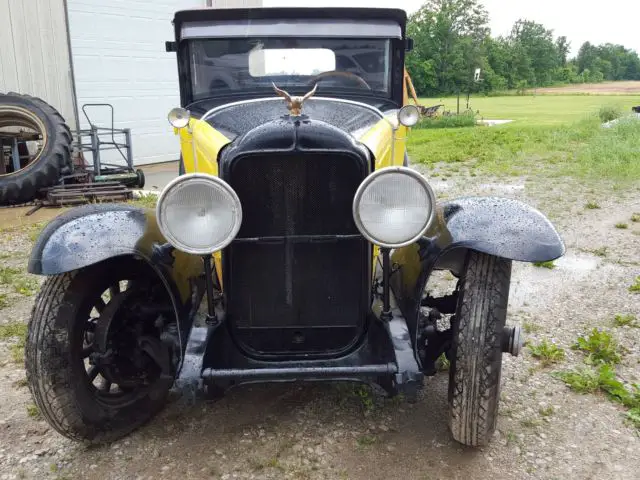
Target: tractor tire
x=54 y=158
x=476 y=354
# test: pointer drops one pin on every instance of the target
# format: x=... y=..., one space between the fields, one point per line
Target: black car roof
x=204 y=14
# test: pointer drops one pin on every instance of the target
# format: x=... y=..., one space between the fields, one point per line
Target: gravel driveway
x=316 y=431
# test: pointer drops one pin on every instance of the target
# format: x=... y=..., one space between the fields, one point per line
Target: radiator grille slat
x=295 y=277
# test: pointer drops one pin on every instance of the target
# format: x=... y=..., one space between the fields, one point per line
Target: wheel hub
x=512 y=340
x=124 y=354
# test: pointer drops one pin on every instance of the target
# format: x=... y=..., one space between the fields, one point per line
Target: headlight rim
x=219 y=182
x=386 y=171
x=406 y=108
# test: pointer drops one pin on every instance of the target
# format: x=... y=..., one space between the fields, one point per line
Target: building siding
x=34 y=53
x=234 y=3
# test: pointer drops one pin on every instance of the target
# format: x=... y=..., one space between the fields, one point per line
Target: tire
x=54 y=159
x=57 y=380
x=141 y=179
x=476 y=354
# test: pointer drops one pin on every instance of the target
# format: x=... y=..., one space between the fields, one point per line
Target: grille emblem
x=294 y=104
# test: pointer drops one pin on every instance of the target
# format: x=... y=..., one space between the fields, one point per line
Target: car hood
x=235 y=119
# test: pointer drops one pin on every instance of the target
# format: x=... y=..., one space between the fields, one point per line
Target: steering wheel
x=339 y=73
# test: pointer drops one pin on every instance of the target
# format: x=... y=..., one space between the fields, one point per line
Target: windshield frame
x=274 y=15
x=288 y=82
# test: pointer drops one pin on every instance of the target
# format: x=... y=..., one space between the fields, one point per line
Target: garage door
x=119 y=58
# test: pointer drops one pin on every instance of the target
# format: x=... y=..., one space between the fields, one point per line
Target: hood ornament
x=294 y=104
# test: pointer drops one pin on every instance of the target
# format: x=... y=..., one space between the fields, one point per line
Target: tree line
x=452 y=39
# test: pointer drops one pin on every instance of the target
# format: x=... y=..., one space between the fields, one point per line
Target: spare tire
x=53 y=158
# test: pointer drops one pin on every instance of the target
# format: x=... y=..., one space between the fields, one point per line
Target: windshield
x=221 y=67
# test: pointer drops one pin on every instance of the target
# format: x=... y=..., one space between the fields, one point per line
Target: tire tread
x=475 y=373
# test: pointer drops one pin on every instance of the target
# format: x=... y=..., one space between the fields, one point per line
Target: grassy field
x=550 y=134
x=539 y=109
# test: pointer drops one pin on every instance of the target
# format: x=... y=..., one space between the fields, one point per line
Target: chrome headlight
x=393 y=207
x=199 y=213
x=409 y=115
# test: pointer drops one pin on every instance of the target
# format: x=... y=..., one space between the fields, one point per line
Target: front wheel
x=476 y=356
x=97 y=360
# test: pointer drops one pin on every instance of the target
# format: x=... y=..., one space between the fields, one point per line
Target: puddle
x=491 y=123
x=439 y=185
x=577 y=264
x=531 y=285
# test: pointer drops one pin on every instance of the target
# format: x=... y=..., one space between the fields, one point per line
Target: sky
x=614 y=21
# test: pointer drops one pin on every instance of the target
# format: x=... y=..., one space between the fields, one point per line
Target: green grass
x=622 y=225
x=603 y=353
x=591 y=206
x=635 y=217
x=10 y=330
x=442 y=363
x=4 y=301
x=145 y=201
x=635 y=286
x=15 y=330
x=449 y=121
x=27 y=286
x=367 y=440
x=600 y=251
x=530 y=327
x=600 y=347
x=549 y=264
x=8 y=274
x=546 y=411
x=582 y=379
x=548 y=353
x=540 y=109
x=553 y=134
x=626 y=321
x=33 y=411
x=609 y=112
x=22 y=284
x=604 y=379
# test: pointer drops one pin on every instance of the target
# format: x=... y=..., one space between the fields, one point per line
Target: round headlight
x=179 y=117
x=409 y=115
x=393 y=207
x=199 y=213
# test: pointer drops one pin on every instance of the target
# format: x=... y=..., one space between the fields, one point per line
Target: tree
x=450 y=35
x=452 y=39
x=586 y=56
x=536 y=43
x=563 y=46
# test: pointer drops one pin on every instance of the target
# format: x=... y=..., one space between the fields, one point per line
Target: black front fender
x=498 y=226
x=90 y=234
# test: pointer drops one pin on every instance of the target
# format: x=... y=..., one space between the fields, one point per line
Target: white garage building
x=76 y=52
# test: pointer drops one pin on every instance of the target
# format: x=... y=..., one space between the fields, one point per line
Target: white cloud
x=614 y=21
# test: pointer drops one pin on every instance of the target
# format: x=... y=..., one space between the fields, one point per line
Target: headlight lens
x=393 y=207
x=199 y=213
x=409 y=115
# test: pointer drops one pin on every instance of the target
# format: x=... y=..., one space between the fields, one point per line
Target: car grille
x=296 y=275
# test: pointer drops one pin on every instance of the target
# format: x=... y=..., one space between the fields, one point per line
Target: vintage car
x=296 y=232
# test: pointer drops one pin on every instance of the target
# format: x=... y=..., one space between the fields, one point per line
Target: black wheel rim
x=122 y=374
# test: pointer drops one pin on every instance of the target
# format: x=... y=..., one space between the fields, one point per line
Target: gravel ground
x=319 y=431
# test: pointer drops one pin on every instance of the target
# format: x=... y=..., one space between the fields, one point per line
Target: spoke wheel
x=119 y=372
x=96 y=364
